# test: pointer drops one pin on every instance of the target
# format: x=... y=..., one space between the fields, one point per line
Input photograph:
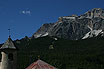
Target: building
x=39 y=64
x=9 y=55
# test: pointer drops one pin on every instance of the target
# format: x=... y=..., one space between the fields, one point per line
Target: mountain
x=90 y=24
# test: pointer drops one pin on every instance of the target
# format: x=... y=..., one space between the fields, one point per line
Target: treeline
x=64 y=54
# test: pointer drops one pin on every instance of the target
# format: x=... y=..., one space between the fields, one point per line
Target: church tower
x=9 y=55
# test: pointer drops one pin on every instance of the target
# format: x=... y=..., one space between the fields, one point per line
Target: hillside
x=67 y=54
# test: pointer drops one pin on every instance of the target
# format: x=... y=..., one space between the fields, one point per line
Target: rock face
x=75 y=27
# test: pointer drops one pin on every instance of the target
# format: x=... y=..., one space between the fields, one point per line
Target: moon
x=26 y=12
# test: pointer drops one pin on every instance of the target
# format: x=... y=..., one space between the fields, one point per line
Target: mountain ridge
x=89 y=24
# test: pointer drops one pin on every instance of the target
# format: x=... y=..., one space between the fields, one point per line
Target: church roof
x=8 y=44
x=39 y=64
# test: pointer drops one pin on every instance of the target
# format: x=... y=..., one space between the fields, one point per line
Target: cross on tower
x=9 y=32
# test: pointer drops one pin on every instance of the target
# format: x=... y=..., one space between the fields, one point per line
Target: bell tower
x=9 y=55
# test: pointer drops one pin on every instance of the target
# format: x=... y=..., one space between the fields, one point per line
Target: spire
x=9 y=43
x=9 y=32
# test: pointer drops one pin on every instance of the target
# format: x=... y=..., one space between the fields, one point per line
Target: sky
x=25 y=17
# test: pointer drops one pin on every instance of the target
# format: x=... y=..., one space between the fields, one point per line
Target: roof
x=8 y=44
x=39 y=64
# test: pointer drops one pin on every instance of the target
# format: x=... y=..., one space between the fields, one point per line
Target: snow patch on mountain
x=55 y=39
x=92 y=33
x=69 y=17
x=89 y=27
x=86 y=36
x=41 y=35
x=37 y=36
x=45 y=34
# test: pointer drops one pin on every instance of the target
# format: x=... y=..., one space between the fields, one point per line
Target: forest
x=61 y=53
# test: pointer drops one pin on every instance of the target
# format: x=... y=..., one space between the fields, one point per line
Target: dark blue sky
x=24 y=17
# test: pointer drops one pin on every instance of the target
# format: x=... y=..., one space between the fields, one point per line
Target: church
x=9 y=58
x=9 y=55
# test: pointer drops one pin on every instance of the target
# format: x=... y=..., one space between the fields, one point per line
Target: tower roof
x=8 y=44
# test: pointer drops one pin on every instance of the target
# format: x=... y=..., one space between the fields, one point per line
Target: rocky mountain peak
x=97 y=9
x=75 y=27
x=96 y=12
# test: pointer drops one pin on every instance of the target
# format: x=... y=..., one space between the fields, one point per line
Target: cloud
x=26 y=12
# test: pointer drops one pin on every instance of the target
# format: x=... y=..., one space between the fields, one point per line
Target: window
x=10 y=57
x=0 y=57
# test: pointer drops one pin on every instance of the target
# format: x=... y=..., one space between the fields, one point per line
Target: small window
x=0 y=57
x=10 y=57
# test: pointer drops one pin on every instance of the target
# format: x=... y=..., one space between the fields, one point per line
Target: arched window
x=10 y=57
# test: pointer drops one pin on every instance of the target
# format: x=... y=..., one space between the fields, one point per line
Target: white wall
x=0 y=65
